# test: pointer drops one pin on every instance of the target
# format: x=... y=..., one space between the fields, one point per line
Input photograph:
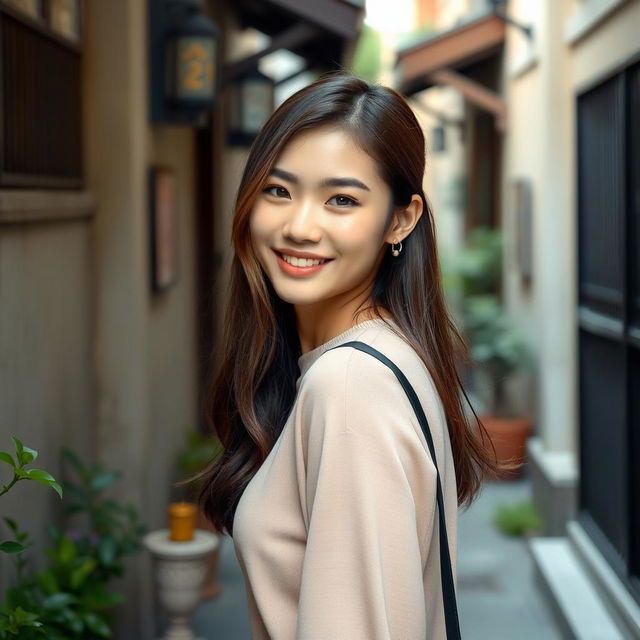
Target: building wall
x=145 y=348
x=607 y=43
x=538 y=148
x=444 y=180
x=90 y=357
x=574 y=44
x=46 y=343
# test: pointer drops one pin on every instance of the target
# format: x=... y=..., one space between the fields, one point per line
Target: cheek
x=361 y=239
x=258 y=227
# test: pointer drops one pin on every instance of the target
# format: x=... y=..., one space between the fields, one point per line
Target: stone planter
x=179 y=572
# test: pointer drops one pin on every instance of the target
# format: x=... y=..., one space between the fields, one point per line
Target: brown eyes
x=342 y=201
x=339 y=201
x=278 y=192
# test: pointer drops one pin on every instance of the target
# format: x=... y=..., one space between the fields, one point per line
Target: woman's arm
x=369 y=497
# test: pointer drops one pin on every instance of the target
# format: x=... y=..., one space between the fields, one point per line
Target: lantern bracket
x=497 y=9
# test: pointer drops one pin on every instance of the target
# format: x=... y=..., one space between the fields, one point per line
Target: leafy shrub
x=23 y=457
x=70 y=599
x=518 y=519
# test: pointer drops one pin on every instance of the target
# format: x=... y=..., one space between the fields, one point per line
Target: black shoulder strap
x=446 y=574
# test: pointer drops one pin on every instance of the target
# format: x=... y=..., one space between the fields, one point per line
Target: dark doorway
x=608 y=235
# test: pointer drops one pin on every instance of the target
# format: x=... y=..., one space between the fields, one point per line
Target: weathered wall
x=145 y=343
x=89 y=357
x=46 y=338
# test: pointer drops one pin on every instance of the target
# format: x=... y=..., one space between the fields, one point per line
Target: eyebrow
x=327 y=182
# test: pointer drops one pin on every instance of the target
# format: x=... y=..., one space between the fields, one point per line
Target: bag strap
x=446 y=573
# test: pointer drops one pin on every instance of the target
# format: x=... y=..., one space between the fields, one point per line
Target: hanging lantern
x=251 y=102
x=191 y=58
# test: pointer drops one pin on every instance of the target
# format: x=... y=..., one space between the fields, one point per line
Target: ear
x=404 y=220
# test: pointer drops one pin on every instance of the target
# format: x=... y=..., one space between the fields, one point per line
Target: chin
x=298 y=298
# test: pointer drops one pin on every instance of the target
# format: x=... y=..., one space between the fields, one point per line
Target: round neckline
x=308 y=358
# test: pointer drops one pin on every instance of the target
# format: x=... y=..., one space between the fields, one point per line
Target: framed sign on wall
x=163 y=228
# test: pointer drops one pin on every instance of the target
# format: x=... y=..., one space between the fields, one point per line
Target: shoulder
x=339 y=369
x=342 y=383
x=342 y=367
x=355 y=388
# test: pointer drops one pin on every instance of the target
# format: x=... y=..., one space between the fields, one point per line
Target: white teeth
x=300 y=262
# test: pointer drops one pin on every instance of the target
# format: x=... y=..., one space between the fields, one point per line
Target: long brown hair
x=253 y=389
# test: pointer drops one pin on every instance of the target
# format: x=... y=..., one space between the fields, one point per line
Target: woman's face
x=318 y=226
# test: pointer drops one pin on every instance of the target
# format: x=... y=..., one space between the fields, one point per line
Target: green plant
x=23 y=457
x=367 y=56
x=518 y=519
x=497 y=346
x=70 y=599
x=113 y=526
x=200 y=449
x=472 y=279
x=14 y=620
x=477 y=268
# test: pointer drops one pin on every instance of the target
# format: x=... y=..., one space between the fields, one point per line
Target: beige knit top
x=337 y=532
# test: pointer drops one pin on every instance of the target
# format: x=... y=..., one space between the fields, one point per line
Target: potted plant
x=199 y=450
x=499 y=350
x=473 y=278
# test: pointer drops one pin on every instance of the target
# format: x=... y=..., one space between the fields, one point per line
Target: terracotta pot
x=509 y=436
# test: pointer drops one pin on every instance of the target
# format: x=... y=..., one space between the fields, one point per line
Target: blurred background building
x=116 y=194
x=548 y=94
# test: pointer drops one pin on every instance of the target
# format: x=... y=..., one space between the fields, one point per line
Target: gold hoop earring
x=396 y=252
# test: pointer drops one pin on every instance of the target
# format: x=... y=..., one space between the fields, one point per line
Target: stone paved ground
x=497 y=597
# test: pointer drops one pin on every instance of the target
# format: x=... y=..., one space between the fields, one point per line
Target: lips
x=301 y=262
x=300 y=265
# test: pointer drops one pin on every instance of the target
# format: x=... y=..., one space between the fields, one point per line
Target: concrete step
x=571 y=594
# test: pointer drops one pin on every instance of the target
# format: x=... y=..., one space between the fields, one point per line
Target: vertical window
x=40 y=96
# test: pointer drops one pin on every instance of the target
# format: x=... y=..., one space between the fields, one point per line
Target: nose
x=302 y=223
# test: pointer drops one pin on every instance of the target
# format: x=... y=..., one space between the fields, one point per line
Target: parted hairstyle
x=252 y=389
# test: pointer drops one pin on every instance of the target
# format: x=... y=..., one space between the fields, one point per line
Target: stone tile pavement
x=497 y=597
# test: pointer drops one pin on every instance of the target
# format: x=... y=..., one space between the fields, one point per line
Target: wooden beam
x=298 y=34
x=458 y=47
x=336 y=16
x=475 y=93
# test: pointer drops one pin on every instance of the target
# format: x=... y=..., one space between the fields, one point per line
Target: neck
x=318 y=323
x=321 y=321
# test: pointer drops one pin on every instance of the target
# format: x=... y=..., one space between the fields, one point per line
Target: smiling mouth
x=302 y=262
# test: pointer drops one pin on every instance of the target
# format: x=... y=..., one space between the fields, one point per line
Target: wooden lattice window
x=40 y=93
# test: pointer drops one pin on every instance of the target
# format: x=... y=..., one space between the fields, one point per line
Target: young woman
x=326 y=482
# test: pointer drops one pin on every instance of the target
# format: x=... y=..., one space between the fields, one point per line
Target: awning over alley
x=317 y=30
x=459 y=58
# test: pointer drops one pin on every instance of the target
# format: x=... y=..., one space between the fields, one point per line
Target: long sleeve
x=369 y=500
